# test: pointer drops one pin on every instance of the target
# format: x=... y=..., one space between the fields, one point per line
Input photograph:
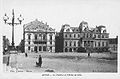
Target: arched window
x=40 y=48
x=44 y=37
x=66 y=50
x=70 y=43
x=74 y=43
x=50 y=37
x=70 y=50
x=102 y=43
x=35 y=36
x=74 y=35
x=102 y=36
x=98 y=44
x=29 y=36
x=65 y=43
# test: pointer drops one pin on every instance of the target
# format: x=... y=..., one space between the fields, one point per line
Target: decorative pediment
x=38 y=26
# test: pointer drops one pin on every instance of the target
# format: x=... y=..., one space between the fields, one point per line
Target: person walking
x=26 y=55
x=39 y=63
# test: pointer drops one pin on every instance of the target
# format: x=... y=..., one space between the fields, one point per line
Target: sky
x=59 y=12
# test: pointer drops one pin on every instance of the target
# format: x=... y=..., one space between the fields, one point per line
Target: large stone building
x=38 y=37
x=72 y=38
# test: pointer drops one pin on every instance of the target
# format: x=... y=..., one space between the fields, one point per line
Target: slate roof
x=37 y=25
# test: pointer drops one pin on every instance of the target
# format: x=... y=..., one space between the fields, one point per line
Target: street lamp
x=6 y=18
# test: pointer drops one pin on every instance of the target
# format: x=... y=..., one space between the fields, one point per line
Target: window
x=28 y=42
x=99 y=44
x=65 y=43
x=90 y=35
x=102 y=36
x=95 y=44
x=106 y=43
x=44 y=37
x=29 y=37
x=70 y=36
x=50 y=37
x=40 y=48
x=28 y=47
x=98 y=36
x=35 y=36
x=102 y=43
x=66 y=35
x=94 y=36
x=68 y=30
x=106 y=36
x=44 y=48
x=78 y=35
x=74 y=35
x=86 y=35
x=40 y=35
x=51 y=42
x=78 y=43
x=74 y=43
x=70 y=43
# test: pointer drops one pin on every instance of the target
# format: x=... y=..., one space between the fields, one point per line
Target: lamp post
x=6 y=18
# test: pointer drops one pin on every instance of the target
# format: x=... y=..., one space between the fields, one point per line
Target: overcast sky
x=58 y=12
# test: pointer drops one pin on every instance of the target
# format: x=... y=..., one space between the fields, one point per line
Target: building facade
x=38 y=37
x=71 y=37
x=83 y=36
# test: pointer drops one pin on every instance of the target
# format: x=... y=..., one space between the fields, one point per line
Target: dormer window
x=68 y=30
x=104 y=31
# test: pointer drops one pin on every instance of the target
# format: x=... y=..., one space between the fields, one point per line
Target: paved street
x=68 y=62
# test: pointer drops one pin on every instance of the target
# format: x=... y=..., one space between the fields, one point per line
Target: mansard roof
x=38 y=26
x=75 y=29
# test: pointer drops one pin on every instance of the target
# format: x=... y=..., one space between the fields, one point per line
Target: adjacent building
x=73 y=38
x=38 y=37
x=113 y=44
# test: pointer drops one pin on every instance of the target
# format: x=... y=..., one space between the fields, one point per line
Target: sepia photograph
x=60 y=37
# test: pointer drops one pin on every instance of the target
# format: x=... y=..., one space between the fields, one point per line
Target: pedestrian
x=39 y=63
x=26 y=55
